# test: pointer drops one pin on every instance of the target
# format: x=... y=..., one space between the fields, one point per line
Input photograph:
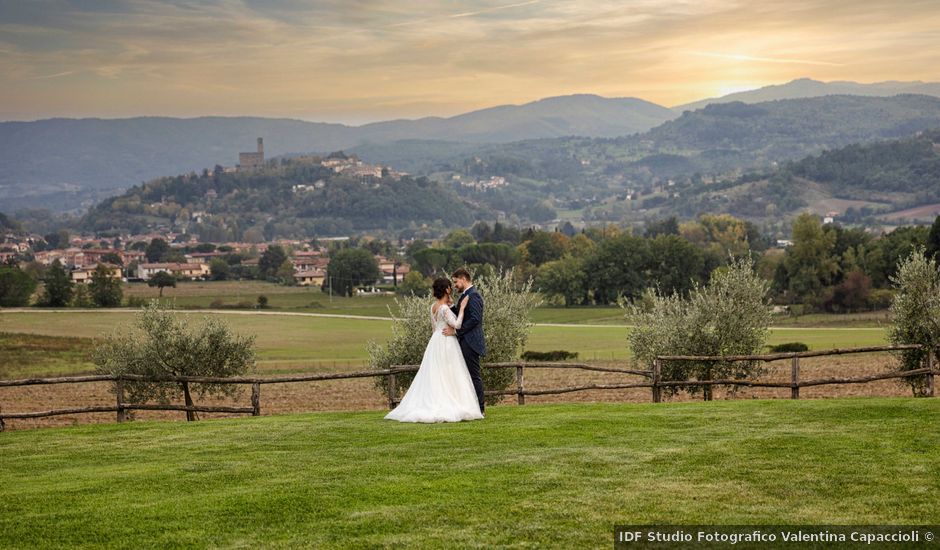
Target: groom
x=470 y=333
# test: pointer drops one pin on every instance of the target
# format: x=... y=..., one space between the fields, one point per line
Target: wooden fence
x=653 y=376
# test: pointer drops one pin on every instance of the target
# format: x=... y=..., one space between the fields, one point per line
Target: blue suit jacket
x=471 y=330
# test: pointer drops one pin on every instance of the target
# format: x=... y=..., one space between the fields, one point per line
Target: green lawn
x=534 y=476
x=292 y=342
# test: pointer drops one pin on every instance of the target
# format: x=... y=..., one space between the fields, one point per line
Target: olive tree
x=506 y=328
x=915 y=314
x=729 y=316
x=162 y=344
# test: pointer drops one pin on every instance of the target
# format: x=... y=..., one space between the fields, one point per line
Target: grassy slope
x=556 y=475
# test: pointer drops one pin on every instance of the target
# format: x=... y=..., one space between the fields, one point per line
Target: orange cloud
x=358 y=60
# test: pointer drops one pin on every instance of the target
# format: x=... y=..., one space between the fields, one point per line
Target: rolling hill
x=297 y=197
x=891 y=181
x=63 y=163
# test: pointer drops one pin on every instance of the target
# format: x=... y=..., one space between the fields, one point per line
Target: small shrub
x=262 y=301
x=136 y=302
x=789 y=347
x=729 y=316
x=162 y=343
x=217 y=303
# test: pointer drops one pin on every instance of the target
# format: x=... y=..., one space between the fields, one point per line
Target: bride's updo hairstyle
x=440 y=287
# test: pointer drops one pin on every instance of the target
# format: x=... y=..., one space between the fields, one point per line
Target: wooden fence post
x=657 y=378
x=119 y=391
x=520 y=374
x=256 y=399
x=930 y=379
x=392 y=391
x=795 y=378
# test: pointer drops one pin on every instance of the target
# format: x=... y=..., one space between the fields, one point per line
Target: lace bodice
x=444 y=317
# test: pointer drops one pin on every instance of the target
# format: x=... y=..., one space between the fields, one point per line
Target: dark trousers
x=473 y=365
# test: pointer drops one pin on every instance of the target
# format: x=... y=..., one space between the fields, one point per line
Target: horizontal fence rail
x=795 y=383
x=654 y=381
x=787 y=355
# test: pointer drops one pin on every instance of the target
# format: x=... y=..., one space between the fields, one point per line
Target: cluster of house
x=82 y=262
x=350 y=165
x=310 y=265
x=481 y=184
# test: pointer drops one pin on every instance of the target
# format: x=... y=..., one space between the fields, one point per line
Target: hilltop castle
x=250 y=161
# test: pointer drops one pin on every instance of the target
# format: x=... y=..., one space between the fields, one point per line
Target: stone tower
x=251 y=161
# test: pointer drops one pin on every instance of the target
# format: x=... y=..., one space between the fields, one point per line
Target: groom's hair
x=462 y=273
x=440 y=287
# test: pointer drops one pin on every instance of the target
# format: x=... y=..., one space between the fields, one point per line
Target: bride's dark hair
x=440 y=287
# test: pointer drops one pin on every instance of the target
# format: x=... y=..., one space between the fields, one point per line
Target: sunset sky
x=362 y=60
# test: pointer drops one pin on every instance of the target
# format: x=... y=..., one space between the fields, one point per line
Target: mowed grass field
x=556 y=476
x=202 y=294
x=290 y=341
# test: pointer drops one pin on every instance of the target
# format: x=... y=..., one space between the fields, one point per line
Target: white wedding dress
x=442 y=390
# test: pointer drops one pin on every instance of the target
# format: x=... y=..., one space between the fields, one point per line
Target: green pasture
x=281 y=339
x=206 y=294
x=288 y=342
x=203 y=294
x=244 y=294
x=552 y=476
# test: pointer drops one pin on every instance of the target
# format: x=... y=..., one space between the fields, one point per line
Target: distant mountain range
x=58 y=163
x=717 y=139
x=690 y=165
x=807 y=87
x=67 y=164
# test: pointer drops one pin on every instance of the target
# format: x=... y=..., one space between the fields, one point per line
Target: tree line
x=823 y=267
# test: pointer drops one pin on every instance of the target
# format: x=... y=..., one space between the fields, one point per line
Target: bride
x=441 y=390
